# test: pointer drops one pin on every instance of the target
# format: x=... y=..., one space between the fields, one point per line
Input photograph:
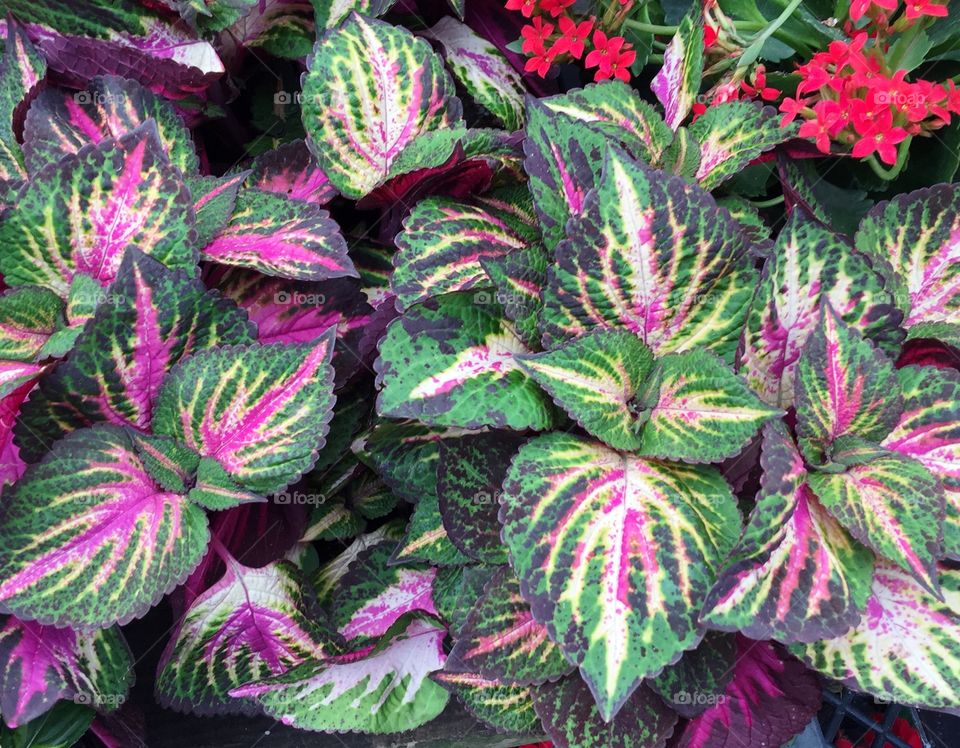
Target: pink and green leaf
x=929 y=432
x=677 y=83
x=905 y=648
x=79 y=216
x=282 y=237
x=699 y=678
x=614 y=109
x=626 y=265
x=796 y=574
x=370 y=90
x=595 y=378
x=251 y=625
x=22 y=70
x=214 y=199
x=844 y=386
x=518 y=280
x=444 y=242
x=40 y=665
x=351 y=696
x=451 y=362
x=426 y=538
x=151 y=319
x=291 y=170
x=60 y=123
x=501 y=640
x=261 y=411
x=733 y=134
x=571 y=718
x=694 y=408
x=915 y=240
x=809 y=266
x=482 y=70
x=889 y=502
x=615 y=554
x=89 y=539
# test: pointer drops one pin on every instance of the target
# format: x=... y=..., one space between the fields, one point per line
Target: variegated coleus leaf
x=22 y=70
x=614 y=109
x=214 y=199
x=80 y=215
x=470 y=472
x=518 y=280
x=929 y=432
x=505 y=708
x=809 y=265
x=291 y=170
x=40 y=665
x=770 y=699
x=571 y=718
x=654 y=255
x=260 y=411
x=844 y=387
x=328 y=576
x=29 y=315
x=87 y=538
x=62 y=122
x=699 y=679
x=796 y=574
x=282 y=237
x=731 y=135
x=905 y=647
x=12 y=465
x=444 y=242
x=332 y=13
x=677 y=83
x=252 y=624
x=695 y=409
x=153 y=318
x=282 y=28
x=501 y=640
x=615 y=554
x=888 y=502
x=913 y=240
x=563 y=159
x=451 y=362
x=387 y=691
x=371 y=596
x=426 y=538
x=118 y=37
x=595 y=379
x=370 y=90
x=482 y=70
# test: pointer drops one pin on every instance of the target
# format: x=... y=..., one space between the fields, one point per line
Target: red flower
x=527 y=7
x=859 y=8
x=918 y=8
x=760 y=87
x=535 y=36
x=573 y=36
x=541 y=62
x=791 y=108
x=709 y=36
x=883 y=140
x=555 y=7
x=612 y=56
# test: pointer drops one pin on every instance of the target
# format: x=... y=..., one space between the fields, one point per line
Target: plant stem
x=651 y=28
x=768 y=203
x=888 y=175
x=756 y=44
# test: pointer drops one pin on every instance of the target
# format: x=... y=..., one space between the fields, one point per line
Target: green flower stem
x=768 y=203
x=893 y=172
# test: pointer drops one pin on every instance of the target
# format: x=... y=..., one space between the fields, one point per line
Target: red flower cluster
x=847 y=95
x=733 y=89
x=881 y=8
x=547 y=43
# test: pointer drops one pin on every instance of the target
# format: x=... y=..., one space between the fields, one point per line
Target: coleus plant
x=551 y=419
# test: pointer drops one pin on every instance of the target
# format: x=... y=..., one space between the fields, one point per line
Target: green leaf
x=594 y=378
x=615 y=554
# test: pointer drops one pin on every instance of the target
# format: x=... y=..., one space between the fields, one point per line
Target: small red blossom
x=710 y=36
x=919 y=8
x=555 y=7
x=535 y=36
x=541 y=63
x=526 y=7
x=860 y=8
x=612 y=56
x=573 y=36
